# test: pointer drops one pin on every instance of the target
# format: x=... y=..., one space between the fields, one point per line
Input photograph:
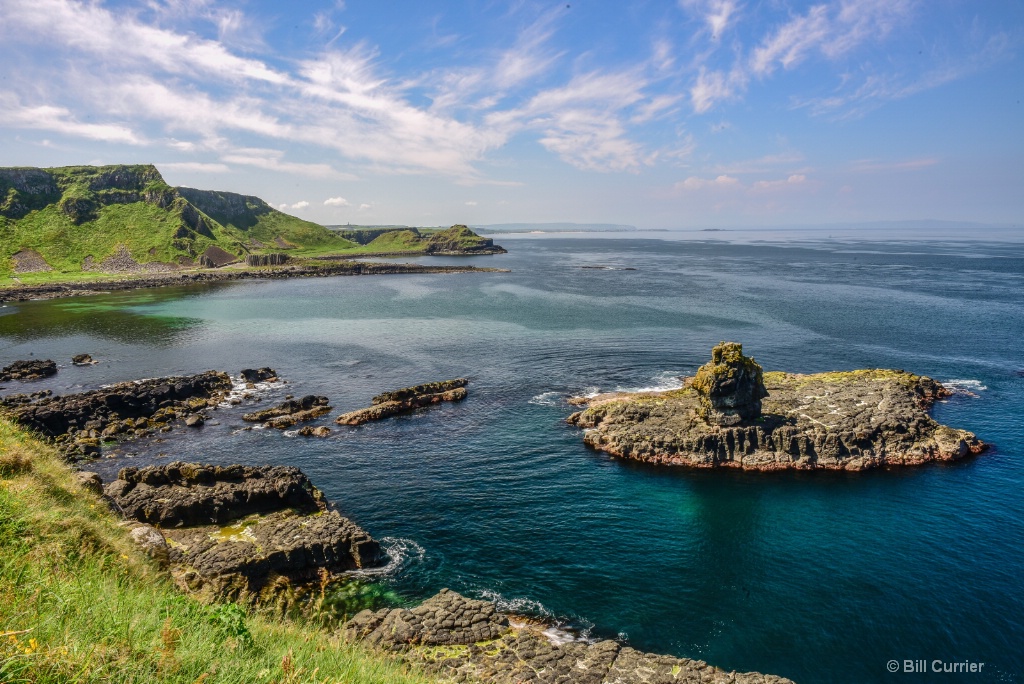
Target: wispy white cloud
x=865 y=165
x=272 y=161
x=717 y=14
x=712 y=87
x=336 y=202
x=61 y=120
x=302 y=204
x=769 y=162
x=195 y=167
x=827 y=30
x=795 y=179
x=698 y=183
x=725 y=182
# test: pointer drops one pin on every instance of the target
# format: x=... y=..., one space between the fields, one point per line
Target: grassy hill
x=122 y=218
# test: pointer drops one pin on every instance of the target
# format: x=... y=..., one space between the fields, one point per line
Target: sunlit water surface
x=822 y=577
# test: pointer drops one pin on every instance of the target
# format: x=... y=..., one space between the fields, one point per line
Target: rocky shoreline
x=266 y=535
x=733 y=415
x=467 y=640
x=54 y=290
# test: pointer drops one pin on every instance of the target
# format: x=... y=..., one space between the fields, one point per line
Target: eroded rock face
x=240 y=532
x=470 y=641
x=730 y=387
x=405 y=400
x=32 y=369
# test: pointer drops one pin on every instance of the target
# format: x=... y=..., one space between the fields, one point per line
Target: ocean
x=817 y=576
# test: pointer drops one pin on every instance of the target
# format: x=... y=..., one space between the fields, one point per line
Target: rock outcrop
x=291 y=412
x=405 y=400
x=240 y=532
x=465 y=640
x=730 y=387
x=254 y=375
x=32 y=369
x=83 y=360
x=851 y=420
x=77 y=422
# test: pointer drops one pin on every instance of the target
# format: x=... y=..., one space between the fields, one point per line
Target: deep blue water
x=822 y=577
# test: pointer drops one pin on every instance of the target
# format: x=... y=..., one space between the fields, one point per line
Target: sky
x=658 y=114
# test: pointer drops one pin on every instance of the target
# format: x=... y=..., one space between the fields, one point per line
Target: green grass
x=79 y=603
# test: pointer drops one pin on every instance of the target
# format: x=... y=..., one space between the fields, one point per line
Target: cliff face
x=228 y=208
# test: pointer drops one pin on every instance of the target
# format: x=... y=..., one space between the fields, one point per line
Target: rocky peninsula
x=733 y=414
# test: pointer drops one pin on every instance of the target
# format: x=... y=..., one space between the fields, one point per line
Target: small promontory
x=733 y=414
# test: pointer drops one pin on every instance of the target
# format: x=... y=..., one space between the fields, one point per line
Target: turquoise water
x=822 y=577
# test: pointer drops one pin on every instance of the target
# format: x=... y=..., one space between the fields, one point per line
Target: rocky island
x=733 y=414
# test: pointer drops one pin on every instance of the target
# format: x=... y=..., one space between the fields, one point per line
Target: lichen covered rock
x=240 y=532
x=730 y=387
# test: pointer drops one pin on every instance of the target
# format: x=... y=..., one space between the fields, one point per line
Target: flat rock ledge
x=31 y=369
x=406 y=400
x=852 y=420
x=78 y=422
x=290 y=412
x=466 y=640
x=243 y=533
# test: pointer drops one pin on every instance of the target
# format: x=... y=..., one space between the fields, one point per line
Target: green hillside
x=85 y=219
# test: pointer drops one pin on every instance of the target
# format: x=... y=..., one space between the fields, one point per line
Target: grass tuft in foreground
x=79 y=603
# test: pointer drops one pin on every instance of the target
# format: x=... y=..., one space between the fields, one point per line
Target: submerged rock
x=82 y=360
x=405 y=400
x=32 y=369
x=851 y=420
x=466 y=640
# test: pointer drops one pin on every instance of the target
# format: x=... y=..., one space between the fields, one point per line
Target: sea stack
x=730 y=387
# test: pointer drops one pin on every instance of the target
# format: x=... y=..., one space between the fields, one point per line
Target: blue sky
x=658 y=114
